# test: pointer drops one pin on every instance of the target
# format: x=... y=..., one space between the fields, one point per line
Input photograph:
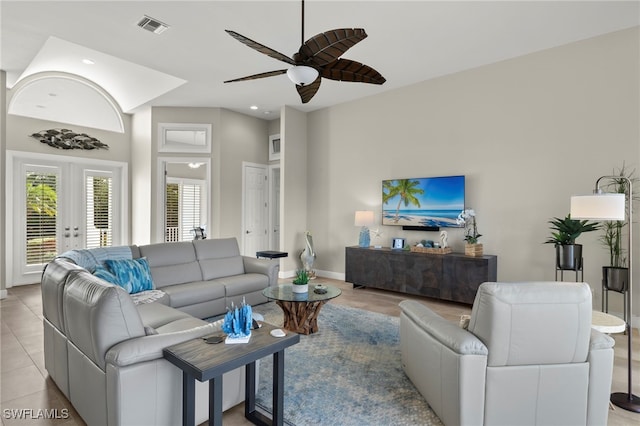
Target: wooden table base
x=301 y=317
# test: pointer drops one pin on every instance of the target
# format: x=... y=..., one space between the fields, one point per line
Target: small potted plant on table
x=301 y=281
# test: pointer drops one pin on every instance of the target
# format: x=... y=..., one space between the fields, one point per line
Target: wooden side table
x=208 y=362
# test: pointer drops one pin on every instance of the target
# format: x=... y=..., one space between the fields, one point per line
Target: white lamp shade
x=364 y=218
x=598 y=207
x=302 y=75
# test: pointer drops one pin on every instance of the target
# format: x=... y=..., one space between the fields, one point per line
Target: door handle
x=248 y=232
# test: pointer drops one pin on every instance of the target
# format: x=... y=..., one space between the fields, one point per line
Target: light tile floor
x=24 y=383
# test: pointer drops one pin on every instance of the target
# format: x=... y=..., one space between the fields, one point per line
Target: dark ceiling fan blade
x=256 y=76
x=261 y=47
x=348 y=70
x=308 y=91
x=328 y=46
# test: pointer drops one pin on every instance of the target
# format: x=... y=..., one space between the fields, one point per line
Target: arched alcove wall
x=66 y=98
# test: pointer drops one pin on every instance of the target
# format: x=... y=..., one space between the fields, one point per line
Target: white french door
x=59 y=205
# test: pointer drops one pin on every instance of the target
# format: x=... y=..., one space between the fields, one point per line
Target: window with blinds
x=99 y=223
x=42 y=217
x=182 y=210
x=172 y=213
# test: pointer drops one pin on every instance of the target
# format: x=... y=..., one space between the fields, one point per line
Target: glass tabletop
x=285 y=293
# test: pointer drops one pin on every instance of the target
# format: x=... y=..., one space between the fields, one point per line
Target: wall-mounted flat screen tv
x=423 y=202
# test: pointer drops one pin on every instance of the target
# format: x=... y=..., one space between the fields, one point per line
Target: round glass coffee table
x=301 y=310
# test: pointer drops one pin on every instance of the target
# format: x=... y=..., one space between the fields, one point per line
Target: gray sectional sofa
x=103 y=346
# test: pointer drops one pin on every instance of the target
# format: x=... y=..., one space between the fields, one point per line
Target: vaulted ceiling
x=408 y=42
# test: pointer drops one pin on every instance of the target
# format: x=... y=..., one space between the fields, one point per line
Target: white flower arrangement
x=468 y=219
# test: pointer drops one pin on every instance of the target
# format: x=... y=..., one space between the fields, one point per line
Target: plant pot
x=569 y=257
x=615 y=278
x=474 y=250
x=300 y=288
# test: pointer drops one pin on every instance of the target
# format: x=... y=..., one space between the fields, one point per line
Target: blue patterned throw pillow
x=133 y=273
x=106 y=275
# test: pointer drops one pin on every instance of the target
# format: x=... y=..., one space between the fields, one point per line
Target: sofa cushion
x=156 y=315
x=133 y=275
x=219 y=258
x=172 y=263
x=98 y=315
x=194 y=293
x=180 y=325
x=244 y=284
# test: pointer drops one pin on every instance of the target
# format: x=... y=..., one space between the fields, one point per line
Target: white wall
x=3 y=201
x=141 y=183
x=294 y=188
x=243 y=138
x=235 y=138
x=527 y=133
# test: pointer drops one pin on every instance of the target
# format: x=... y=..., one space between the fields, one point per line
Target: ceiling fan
x=317 y=57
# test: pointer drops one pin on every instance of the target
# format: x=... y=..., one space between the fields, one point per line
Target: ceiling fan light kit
x=302 y=74
x=317 y=57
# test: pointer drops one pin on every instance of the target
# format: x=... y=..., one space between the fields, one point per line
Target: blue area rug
x=349 y=373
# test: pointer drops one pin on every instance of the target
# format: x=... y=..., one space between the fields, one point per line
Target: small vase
x=300 y=288
x=474 y=250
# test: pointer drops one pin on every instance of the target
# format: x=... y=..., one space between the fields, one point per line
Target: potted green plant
x=301 y=281
x=564 y=233
x=615 y=276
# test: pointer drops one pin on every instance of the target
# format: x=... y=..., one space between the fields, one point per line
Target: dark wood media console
x=452 y=276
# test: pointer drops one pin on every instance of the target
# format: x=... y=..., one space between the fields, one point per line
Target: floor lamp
x=613 y=206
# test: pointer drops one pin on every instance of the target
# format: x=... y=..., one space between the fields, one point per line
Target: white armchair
x=529 y=357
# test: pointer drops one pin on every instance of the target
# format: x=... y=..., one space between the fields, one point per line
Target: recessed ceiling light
x=88 y=61
x=53 y=95
x=267 y=112
x=40 y=106
x=253 y=107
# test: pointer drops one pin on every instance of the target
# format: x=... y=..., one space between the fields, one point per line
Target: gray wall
x=528 y=133
x=235 y=138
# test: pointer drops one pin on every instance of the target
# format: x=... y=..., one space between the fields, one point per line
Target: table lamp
x=364 y=218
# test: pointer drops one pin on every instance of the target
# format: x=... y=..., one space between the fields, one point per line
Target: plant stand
x=619 y=284
x=579 y=273
x=569 y=258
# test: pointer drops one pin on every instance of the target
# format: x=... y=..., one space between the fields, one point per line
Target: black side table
x=269 y=254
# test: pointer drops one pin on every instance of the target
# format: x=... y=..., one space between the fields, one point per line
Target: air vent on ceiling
x=150 y=24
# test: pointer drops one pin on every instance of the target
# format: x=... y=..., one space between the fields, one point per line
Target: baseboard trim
x=3 y=294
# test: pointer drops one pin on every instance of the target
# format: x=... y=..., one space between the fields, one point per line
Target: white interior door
x=58 y=206
x=274 y=211
x=255 y=211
